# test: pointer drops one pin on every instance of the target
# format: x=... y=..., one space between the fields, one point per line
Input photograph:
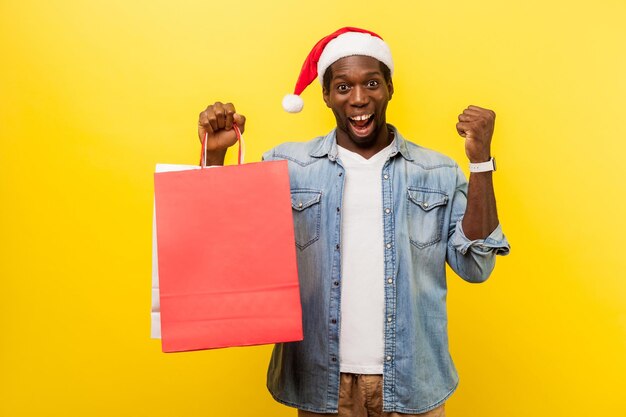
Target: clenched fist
x=217 y=123
x=476 y=126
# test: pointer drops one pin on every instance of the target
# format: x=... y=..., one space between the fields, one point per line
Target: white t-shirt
x=361 y=336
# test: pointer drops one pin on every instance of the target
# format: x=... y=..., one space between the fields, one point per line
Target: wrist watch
x=490 y=165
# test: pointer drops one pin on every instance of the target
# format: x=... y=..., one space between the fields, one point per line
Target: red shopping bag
x=226 y=257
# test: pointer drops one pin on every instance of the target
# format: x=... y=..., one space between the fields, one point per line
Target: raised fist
x=476 y=126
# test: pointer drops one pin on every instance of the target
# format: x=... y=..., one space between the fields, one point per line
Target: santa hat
x=344 y=42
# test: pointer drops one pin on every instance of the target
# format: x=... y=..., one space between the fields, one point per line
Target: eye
x=373 y=83
x=343 y=88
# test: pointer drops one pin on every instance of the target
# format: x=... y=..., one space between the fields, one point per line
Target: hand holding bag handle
x=240 y=152
x=155 y=325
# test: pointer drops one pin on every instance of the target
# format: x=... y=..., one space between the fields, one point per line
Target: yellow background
x=94 y=93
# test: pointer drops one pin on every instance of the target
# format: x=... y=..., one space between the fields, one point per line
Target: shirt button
x=388 y=358
x=300 y=205
x=333 y=321
x=340 y=174
x=387 y=210
x=388 y=245
x=334 y=359
x=390 y=280
x=336 y=283
x=338 y=209
x=389 y=319
x=386 y=176
x=425 y=204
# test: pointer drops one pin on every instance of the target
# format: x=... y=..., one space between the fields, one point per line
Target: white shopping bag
x=155 y=314
x=155 y=324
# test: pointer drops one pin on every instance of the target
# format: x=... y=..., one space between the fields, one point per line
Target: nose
x=359 y=96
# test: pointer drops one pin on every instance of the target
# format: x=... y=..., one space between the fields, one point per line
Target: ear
x=326 y=96
x=390 y=88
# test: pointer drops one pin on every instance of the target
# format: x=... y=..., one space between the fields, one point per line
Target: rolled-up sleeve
x=496 y=242
x=472 y=260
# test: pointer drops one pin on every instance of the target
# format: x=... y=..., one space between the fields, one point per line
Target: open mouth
x=361 y=124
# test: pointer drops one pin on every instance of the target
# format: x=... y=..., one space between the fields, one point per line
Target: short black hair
x=328 y=75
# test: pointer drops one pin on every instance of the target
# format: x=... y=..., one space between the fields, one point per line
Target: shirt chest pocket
x=425 y=211
x=306 y=205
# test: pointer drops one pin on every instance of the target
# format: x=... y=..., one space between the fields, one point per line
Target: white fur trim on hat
x=353 y=43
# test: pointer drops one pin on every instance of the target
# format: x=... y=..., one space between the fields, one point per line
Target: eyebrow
x=369 y=74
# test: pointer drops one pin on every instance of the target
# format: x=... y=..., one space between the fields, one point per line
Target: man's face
x=358 y=95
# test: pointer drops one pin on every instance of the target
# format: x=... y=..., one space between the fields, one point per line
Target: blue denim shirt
x=424 y=199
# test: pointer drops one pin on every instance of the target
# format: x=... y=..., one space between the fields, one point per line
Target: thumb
x=240 y=119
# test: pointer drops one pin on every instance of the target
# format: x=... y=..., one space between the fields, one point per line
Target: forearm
x=481 y=215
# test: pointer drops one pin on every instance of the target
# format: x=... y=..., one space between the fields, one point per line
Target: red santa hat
x=344 y=42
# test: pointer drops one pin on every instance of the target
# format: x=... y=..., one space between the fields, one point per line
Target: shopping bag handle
x=240 y=142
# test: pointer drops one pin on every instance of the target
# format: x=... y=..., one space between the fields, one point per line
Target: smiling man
x=376 y=219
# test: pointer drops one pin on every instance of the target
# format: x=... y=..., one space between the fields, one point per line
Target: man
x=376 y=218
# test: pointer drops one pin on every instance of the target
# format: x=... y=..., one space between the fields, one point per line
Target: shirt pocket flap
x=301 y=200
x=427 y=199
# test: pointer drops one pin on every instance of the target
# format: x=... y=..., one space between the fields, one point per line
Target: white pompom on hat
x=347 y=41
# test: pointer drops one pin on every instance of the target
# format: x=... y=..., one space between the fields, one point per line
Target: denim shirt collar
x=328 y=146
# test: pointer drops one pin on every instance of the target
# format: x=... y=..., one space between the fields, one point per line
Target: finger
x=464 y=117
x=464 y=129
x=473 y=113
x=203 y=125
x=203 y=120
x=240 y=119
x=473 y=107
x=229 y=111
x=211 y=117
x=482 y=111
x=220 y=115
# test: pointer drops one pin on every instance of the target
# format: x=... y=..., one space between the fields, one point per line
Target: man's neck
x=384 y=139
